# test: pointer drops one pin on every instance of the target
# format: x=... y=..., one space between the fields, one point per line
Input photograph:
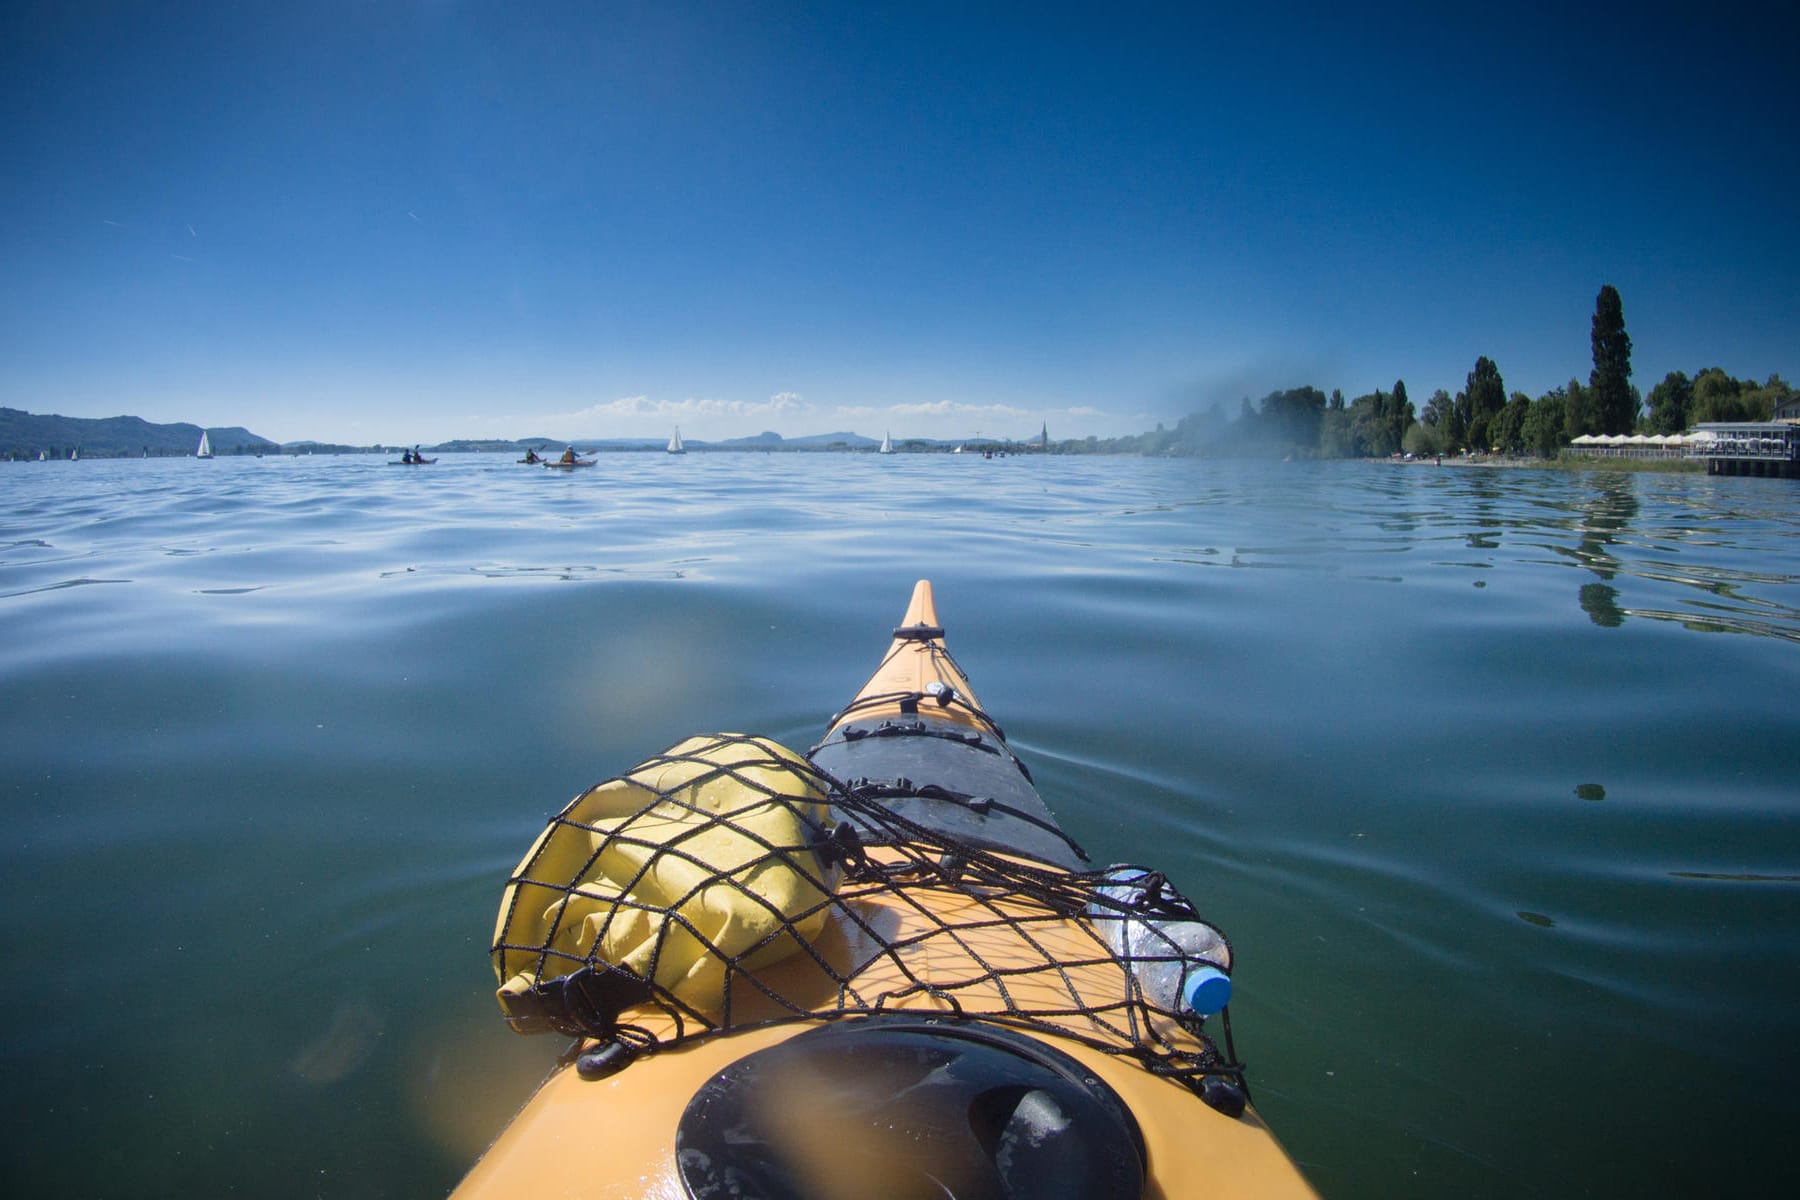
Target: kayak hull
x=610 y=1139
x=917 y=738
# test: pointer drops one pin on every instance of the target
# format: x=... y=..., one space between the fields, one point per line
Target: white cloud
x=956 y=408
x=643 y=415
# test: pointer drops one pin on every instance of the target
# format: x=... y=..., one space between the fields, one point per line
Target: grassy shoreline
x=1652 y=466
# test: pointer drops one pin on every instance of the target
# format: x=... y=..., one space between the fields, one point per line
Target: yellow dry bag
x=698 y=861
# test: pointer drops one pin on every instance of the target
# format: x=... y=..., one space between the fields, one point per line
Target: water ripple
x=59 y=586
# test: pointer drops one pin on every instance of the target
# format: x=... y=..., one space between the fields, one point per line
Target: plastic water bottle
x=1181 y=962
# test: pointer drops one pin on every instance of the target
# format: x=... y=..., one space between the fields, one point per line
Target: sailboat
x=887 y=444
x=205 y=450
x=675 y=446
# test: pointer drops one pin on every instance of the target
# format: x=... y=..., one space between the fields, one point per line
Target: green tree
x=1363 y=425
x=1670 y=402
x=1718 y=397
x=1507 y=430
x=1400 y=412
x=1760 y=402
x=1446 y=426
x=1579 y=416
x=1291 y=419
x=1335 y=438
x=1482 y=401
x=1615 y=402
x=1543 y=429
x=1422 y=439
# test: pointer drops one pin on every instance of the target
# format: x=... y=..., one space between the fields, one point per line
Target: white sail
x=205 y=450
x=887 y=444
x=675 y=446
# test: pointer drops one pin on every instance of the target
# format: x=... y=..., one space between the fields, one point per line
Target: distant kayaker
x=531 y=457
x=406 y=456
x=568 y=457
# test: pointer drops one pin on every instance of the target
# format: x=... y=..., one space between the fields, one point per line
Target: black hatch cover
x=909 y=1108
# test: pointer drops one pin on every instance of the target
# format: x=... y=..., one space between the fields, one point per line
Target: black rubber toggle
x=1223 y=1095
x=841 y=847
x=919 y=633
x=583 y=1003
x=605 y=1060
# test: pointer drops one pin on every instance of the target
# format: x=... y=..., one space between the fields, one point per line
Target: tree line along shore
x=1480 y=419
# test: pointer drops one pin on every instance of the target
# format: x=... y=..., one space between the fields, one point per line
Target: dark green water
x=1491 y=776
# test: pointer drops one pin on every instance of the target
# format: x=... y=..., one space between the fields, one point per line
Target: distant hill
x=494 y=445
x=299 y=448
x=23 y=435
x=774 y=441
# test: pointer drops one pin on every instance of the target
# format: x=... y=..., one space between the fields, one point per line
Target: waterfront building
x=1727 y=447
x=1750 y=447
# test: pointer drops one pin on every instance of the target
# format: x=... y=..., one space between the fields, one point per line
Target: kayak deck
x=916 y=738
x=973 y=952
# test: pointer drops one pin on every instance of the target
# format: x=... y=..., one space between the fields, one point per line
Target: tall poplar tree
x=1615 y=404
x=1486 y=396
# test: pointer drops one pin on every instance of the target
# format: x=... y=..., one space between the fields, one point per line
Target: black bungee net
x=878 y=855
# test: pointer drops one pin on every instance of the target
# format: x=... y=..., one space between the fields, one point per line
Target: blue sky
x=410 y=222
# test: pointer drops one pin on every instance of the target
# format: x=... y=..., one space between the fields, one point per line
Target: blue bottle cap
x=1206 y=990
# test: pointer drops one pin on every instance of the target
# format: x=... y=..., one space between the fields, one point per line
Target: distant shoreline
x=1654 y=466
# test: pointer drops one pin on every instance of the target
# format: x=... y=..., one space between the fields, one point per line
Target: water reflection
x=1601 y=603
x=1604 y=519
x=1625 y=537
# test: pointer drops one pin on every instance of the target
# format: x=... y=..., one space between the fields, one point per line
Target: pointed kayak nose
x=916 y=675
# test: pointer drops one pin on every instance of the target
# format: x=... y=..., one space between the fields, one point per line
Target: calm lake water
x=1491 y=776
